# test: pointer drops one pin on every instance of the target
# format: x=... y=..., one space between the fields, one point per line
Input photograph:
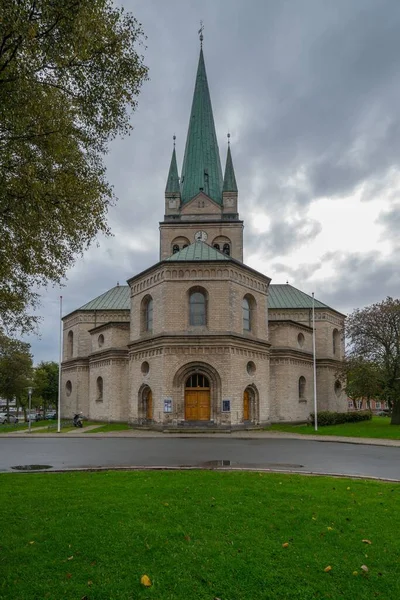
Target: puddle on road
x=232 y=463
x=31 y=467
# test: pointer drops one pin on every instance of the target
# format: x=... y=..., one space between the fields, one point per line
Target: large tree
x=362 y=379
x=70 y=75
x=15 y=369
x=374 y=335
x=45 y=384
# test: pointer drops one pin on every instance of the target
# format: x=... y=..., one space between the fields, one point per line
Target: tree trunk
x=395 y=413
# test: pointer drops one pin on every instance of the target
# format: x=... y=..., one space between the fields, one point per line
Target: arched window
x=197 y=308
x=302 y=388
x=197 y=380
x=216 y=246
x=68 y=388
x=70 y=344
x=335 y=342
x=227 y=249
x=300 y=340
x=147 y=315
x=99 y=389
x=338 y=388
x=184 y=246
x=246 y=314
x=175 y=248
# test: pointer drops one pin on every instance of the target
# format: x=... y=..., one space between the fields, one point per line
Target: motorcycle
x=77 y=421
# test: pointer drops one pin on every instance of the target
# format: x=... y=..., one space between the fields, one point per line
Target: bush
x=326 y=417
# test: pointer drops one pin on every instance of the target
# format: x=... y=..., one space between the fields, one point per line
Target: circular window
x=100 y=340
x=300 y=340
x=251 y=367
x=145 y=367
x=68 y=388
x=338 y=388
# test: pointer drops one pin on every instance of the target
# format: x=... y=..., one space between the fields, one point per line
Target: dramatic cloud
x=309 y=92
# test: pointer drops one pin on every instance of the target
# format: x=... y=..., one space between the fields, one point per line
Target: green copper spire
x=173 y=179
x=229 y=178
x=201 y=170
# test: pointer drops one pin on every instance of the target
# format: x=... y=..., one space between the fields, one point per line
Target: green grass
x=107 y=427
x=197 y=535
x=13 y=427
x=378 y=427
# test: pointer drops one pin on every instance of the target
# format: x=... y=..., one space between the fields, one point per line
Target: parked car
x=10 y=419
x=33 y=417
x=52 y=414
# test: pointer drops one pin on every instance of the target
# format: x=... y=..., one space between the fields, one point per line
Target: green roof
x=118 y=298
x=283 y=295
x=230 y=184
x=198 y=251
x=173 y=179
x=201 y=169
x=280 y=295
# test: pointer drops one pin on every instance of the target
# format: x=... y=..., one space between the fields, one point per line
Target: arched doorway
x=250 y=405
x=197 y=398
x=145 y=404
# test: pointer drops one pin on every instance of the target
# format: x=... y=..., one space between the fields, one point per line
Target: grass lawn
x=106 y=427
x=197 y=535
x=13 y=427
x=378 y=427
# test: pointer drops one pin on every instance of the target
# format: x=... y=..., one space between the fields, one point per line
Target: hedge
x=326 y=417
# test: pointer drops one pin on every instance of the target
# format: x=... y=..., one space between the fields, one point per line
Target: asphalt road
x=275 y=454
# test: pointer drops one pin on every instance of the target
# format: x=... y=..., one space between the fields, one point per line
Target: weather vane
x=201 y=33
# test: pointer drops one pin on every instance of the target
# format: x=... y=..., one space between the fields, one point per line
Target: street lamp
x=29 y=406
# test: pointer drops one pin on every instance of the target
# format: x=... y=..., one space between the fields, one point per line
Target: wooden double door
x=197 y=405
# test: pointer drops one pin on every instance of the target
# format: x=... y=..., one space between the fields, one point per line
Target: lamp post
x=29 y=406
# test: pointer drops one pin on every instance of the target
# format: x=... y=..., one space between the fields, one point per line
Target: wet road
x=275 y=454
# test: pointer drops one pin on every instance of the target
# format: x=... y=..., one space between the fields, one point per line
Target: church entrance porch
x=250 y=405
x=197 y=398
x=145 y=407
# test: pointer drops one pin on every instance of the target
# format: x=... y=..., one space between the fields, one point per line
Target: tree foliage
x=69 y=79
x=363 y=379
x=374 y=335
x=45 y=384
x=15 y=369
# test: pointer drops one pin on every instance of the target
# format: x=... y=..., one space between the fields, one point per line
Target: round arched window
x=302 y=388
x=100 y=340
x=99 y=389
x=145 y=368
x=251 y=367
x=68 y=388
x=338 y=388
x=300 y=340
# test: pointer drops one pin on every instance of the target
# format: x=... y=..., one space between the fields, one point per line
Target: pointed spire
x=229 y=178
x=201 y=170
x=173 y=178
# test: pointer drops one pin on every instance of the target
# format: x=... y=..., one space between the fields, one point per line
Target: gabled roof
x=198 y=251
x=118 y=298
x=283 y=295
x=280 y=295
x=201 y=169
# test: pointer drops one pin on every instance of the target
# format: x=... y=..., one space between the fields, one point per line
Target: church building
x=200 y=339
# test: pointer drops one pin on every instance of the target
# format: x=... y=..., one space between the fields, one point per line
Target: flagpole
x=314 y=365
x=59 y=370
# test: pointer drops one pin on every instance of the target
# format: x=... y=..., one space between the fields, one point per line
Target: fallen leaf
x=90 y=582
x=364 y=568
x=285 y=545
x=314 y=518
x=355 y=572
x=327 y=569
x=166 y=504
x=31 y=542
x=70 y=557
x=68 y=575
x=187 y=538
x=145 y=580
x=84 y=598
x=330 y=528
x=366 y=541
x=348 y=488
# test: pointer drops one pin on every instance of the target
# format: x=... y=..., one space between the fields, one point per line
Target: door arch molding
x=251 y=404
x=180 y=379
x=145 y=403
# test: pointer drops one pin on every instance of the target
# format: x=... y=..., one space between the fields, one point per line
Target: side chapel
x=201 y=339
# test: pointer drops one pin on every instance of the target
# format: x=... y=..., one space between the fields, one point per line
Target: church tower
x=203 y=204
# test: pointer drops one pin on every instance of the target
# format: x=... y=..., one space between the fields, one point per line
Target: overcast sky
x=310 y=92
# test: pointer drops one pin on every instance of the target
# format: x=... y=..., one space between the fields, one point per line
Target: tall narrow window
x=175 y=248
x=197 y=308
x=227 y=249
x=335 y=342
x=70 y=344
x=216 y=246
x=99 y=389
x=302 y=388
x=149 y=315
x=246 y=315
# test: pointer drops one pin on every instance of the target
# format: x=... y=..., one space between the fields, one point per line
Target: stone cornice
x=226 y=339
